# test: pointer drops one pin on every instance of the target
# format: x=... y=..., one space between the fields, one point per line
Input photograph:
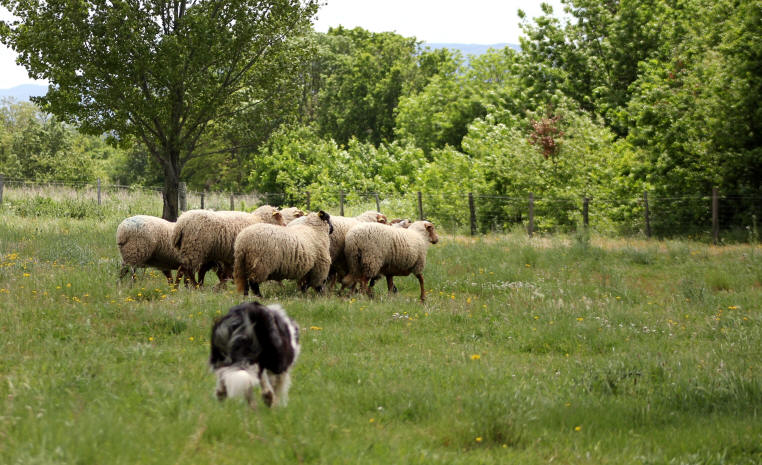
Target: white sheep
x=341 y=226
x=205 y=238
x=146 y=241
x=299 y=251
x=373 y=249
x=291 y=213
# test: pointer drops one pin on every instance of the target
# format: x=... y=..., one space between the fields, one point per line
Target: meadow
x=565 y=349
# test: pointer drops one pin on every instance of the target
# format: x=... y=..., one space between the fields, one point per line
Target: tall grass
x=526 y=351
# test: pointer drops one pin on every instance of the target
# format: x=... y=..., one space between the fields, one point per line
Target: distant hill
x=472 y=49
x=23 y=92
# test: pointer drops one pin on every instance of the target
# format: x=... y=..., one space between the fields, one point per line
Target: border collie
x=254 y=345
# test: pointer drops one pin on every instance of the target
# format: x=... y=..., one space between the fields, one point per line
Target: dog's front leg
x=267 y=389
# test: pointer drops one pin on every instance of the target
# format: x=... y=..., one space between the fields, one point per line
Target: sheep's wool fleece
x=147 y=241
x=374 y=248
x=264 y=251
x=342 y=225
x=207 y=236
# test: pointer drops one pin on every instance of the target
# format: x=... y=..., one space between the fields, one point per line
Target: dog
x=254 y=345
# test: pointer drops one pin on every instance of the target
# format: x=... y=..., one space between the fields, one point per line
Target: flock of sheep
x=315 y=249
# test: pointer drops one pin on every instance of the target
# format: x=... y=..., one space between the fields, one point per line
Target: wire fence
x=713 y=216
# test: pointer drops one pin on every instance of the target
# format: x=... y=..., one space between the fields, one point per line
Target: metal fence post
x=530 y=227
x=472 y=209
x=420 y=206
x=232 y=201
x=99 y=191
x=341 y=203
x=202 y=199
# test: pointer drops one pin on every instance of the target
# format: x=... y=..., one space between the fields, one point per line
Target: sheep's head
x=373 y=217
x=380 y=218
x=327 y=218
x=433 y=238
x=400 y=223
x=278 y=219
x=291 y=213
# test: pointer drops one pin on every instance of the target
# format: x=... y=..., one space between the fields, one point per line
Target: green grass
x=526 y=351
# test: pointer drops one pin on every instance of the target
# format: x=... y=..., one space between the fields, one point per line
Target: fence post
x=530 y=227
x=2 y=179
x=378 y=203
x=647 y=214
x=99 y=191
x=420 y=206
x=472 y=208
x=202 y=199
x=341 y=203
x=232 y=201
x=585 y=212
x=182 y=196
x=715 y=217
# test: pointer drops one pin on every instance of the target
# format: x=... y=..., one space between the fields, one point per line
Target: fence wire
x=650 y=213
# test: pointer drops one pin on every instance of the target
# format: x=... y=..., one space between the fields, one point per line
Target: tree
x=159 y=72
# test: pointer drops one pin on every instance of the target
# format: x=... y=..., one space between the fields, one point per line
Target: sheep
x=205 y=238
x=291 y=213
x=341 y=226
x=146 y=241
x=299 y=251
x=251 y=345
x=373 y=249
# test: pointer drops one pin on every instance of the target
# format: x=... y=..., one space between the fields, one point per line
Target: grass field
x=562 y=350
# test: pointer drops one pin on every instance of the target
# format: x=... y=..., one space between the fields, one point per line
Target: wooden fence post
x=647 y=214
x=2 y=179
x=99 y=191
x=232 y=201
x=585 y=212
x=420 y=206
x=530 y=227
x=202 y=199
x=715 y=217
x=378 y=203
x=472 y=209
x=308 y=200
x=182 y=196
x=341 y=203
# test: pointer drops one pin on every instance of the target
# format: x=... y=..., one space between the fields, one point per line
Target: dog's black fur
x=253 y=334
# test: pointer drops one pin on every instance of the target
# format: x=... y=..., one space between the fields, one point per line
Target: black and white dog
x=254 y=345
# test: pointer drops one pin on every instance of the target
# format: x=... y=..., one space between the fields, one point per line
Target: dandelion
x=371 y=420
x=26 y=275
x=191 y=339
x=468 y=300
x=68 y=284
x=478 y=439
x=528 y=265
x=733 y=307
x=316 y=328
x=580 y=318
x=568 y=404
x=475 y=357
x=578 y=428
x=150 y=339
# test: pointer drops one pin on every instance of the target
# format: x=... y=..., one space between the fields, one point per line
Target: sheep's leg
x=245 y=287
x=168 y=275
x=390 y=284
x=423 y=291
x=364 y=287
x=255 y=289
x=202 y=272
x=267 y=390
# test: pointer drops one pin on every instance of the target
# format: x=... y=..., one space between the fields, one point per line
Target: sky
x=450 y=21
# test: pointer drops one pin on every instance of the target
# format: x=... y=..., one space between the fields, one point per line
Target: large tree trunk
x=171 y=188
